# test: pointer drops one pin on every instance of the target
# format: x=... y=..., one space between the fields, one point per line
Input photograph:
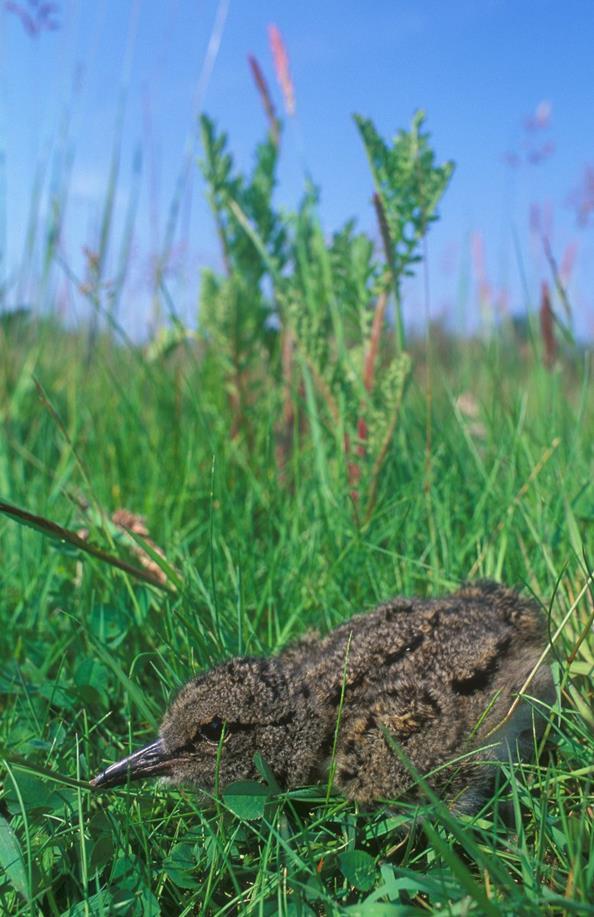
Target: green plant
x=330 y=338
x=409 y=186
x=235 y=310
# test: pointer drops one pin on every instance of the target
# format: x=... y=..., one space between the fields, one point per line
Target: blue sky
x=480 y=68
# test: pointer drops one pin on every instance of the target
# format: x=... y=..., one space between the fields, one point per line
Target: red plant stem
x=288 y=416
x=559 y=285
x=384 y=230
x=354 y=469
x=547 y=326
x=324 y=390
x=376 y=330
x=388 y=245
x=262 y=87
x=287 y=367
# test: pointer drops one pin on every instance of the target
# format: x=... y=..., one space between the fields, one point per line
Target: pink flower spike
x=541 y=118
x=567 y=262
x=281 y=65
x=542 y=115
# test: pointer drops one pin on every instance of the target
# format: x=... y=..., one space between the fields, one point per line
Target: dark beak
x=150 y=761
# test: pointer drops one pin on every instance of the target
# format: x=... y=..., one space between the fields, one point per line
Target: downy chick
x=436 y=677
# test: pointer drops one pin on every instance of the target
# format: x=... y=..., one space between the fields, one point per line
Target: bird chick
x=433 y=678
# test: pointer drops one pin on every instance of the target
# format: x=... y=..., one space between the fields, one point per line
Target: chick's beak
x=150 y=761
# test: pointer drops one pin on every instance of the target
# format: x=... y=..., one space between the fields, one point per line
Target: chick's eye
x=212 y=731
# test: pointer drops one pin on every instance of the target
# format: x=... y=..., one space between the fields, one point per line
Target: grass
x=91 y=655
x=295 y=460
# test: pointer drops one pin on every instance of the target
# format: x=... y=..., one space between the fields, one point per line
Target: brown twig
x=58 y=533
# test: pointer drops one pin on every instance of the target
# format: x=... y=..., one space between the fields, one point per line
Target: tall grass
x=294 y=463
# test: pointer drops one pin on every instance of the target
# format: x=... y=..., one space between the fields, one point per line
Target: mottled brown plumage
x=436 y=677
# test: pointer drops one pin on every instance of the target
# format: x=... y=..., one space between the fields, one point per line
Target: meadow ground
x=271 y=524
x=295 y=460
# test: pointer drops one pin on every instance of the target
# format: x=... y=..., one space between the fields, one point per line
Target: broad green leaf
x=246 y=799
x=11 y=859
x=180 y=864
x=358 y=868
